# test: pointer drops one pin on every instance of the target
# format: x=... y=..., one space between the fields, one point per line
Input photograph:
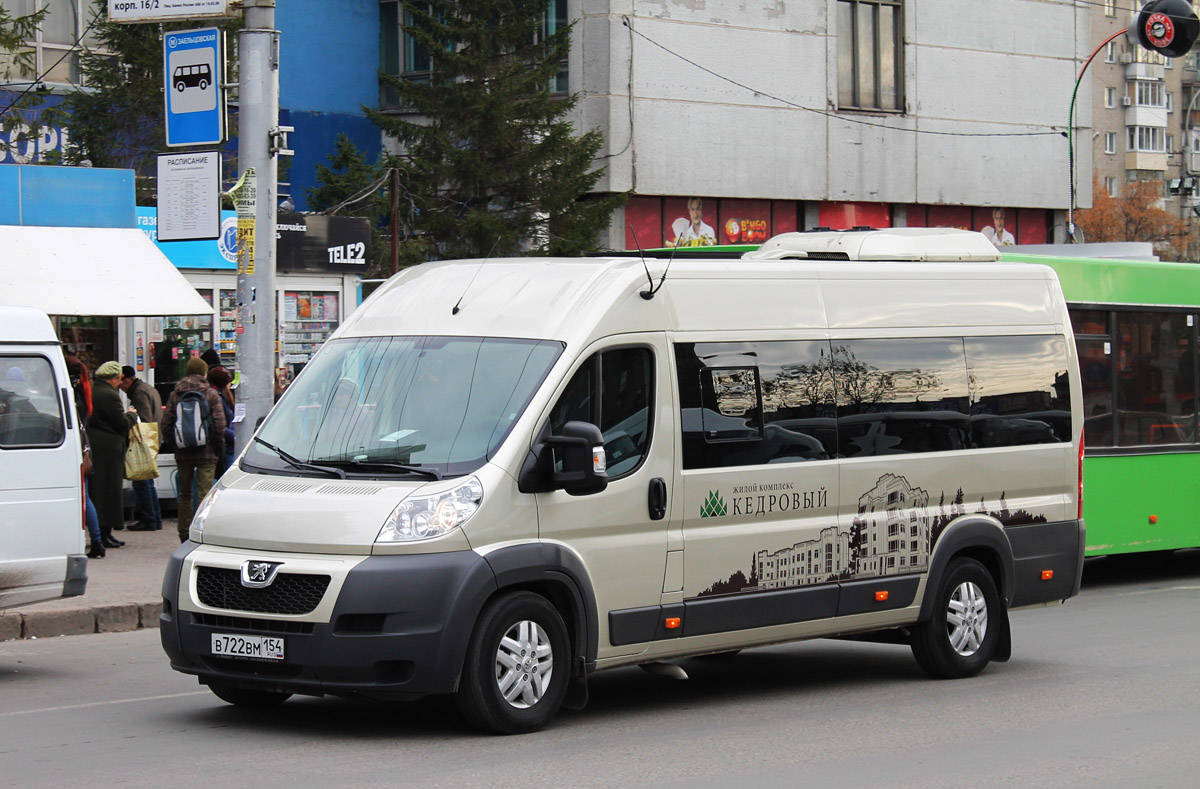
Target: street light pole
x=258 y=81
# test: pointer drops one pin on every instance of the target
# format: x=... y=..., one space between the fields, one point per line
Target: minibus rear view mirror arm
x=581 y=448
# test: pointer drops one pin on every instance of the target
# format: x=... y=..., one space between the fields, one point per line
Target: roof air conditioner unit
x=1126 y=58
x=1126 y=101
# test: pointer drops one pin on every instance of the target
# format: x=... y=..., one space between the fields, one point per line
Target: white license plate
x=258 y=647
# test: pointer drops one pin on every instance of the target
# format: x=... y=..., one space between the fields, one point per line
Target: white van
x=42 y=531
x=502 y=475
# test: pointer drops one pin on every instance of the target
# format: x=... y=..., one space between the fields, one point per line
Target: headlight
x=426 y=517
x=206 y=507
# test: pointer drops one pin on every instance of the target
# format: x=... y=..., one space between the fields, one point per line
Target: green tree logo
x=713 y=506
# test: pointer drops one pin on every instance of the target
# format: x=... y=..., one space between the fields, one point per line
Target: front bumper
x=394 y=627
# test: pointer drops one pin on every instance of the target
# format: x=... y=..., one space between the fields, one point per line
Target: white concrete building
x=791 y=115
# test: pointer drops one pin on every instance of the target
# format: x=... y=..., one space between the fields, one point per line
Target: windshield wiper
x=432 y=473
x=300 y=464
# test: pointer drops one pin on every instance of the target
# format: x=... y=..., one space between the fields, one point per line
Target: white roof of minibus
x=25 y=324
x=574 y=299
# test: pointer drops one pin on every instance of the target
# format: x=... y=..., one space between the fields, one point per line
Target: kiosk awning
x=91 y=271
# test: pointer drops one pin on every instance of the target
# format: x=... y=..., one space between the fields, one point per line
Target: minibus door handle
x=658 y=499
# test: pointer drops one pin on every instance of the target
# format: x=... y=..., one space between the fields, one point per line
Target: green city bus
x=1136 y=326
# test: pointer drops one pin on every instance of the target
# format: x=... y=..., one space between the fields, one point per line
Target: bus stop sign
x=193 y=71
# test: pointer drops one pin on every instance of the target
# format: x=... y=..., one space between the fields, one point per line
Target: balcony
x=1143 y=160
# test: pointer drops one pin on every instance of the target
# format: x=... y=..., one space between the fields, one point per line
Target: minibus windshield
x=426 y=407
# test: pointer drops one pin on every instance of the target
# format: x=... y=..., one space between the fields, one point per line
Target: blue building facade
x=329 y=65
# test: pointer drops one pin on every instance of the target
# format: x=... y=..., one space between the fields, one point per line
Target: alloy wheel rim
x=967 y=619
x=524 y=664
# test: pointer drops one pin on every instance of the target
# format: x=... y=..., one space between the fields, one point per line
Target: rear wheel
x=246 y=697
x=961 y=636
x=518 y=662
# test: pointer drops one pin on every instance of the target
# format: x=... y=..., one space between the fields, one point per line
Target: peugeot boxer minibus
x=500 y=476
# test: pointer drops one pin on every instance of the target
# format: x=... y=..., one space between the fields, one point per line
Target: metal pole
x=258 y=48
x=394 y=185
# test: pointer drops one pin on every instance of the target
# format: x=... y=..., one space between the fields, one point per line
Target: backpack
x=193 y=420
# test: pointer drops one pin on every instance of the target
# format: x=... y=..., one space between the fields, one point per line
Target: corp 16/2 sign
x=163 y=10
x=193 y=66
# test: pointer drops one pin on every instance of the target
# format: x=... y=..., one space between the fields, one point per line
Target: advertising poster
x=844 y=215
x=745 y=221
x=687 y=222
x=998 y=224
x=643 y=222
x=950 y=216
x=1033 y=226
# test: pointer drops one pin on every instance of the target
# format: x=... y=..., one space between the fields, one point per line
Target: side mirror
x=584 y=466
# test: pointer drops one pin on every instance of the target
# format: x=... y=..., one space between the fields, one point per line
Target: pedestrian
x=220 y=379
x=194 y=463
x=108 y=434
x=81 y=387
x=148 y=402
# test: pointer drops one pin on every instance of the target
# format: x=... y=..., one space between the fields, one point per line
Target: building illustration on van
x=893 y=534
x=195 y=76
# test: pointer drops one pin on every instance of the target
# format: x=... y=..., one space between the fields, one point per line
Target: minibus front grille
x=290 y=593
x=248 y=625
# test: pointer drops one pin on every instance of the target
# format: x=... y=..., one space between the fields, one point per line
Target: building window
x=1147 y=139
x=1170 y=143
x=1110 y=52
x=1110 y=97
x=59 y=39
x=870 y=55
x=401 y=55
x=1110 y=7
x=1149 y=94
x=1110 y=142
x=1170 y=102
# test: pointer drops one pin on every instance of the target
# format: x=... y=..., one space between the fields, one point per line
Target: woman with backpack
x=194 y=423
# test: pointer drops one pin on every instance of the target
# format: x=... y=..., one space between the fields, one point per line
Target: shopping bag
x=141 y=459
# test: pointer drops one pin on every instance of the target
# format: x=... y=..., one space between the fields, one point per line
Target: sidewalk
x=124 y=592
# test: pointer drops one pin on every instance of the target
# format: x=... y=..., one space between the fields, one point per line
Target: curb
x=118 y=618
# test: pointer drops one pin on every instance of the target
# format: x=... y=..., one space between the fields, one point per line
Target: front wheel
x=518 y=662
x=961 y=636
x=246 y=697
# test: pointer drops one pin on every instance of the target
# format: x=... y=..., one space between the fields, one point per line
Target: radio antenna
x=649 y=294
x=638 y=244
x=454 y=311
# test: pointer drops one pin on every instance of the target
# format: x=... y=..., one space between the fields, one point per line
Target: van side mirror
x=584 y=466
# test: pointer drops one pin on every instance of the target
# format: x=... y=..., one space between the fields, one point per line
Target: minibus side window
x=753 y=403
x=613 y=390
x=30 y=412
x=1020 y=390
x=901 y=395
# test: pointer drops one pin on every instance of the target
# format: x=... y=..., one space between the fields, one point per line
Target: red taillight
x=1079 y=510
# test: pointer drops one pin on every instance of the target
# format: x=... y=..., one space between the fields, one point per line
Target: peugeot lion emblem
x=257 y=574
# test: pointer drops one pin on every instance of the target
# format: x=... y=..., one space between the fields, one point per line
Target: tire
x=179 y=86
x=517 y=667
x=960 y=638
x=245 y=697
x=203 y=84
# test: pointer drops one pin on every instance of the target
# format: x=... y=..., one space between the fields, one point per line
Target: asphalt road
x=1104 y=691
